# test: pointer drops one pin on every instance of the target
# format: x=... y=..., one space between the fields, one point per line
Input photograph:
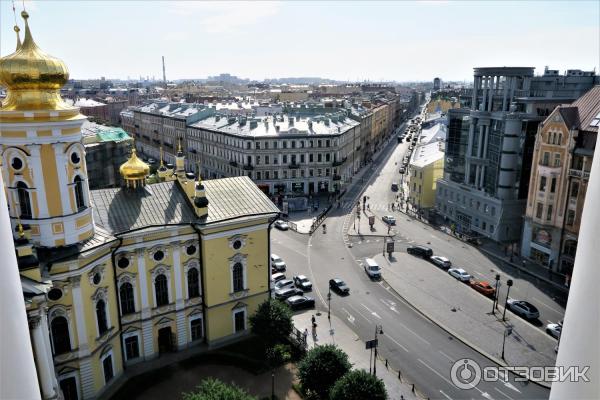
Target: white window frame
x=128 y=278
x=60 y=311
x=194 y=318
x=238 y=258
x=109 y=353
x=139 y=340
x=73 y=374
x=100 y=294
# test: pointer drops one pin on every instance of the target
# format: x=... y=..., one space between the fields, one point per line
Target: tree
x=214 y=389
x=321 y=368
x=272 y=321
x=358 y=385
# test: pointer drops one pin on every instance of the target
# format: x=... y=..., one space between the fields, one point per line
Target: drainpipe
x=269 y=254
x=202 y=281
x=114 y=265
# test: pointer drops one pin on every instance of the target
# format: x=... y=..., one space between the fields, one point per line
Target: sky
x=345 y=40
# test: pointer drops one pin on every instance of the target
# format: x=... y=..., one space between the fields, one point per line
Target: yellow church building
x=115 y=277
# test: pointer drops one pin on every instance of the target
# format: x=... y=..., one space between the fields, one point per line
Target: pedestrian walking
x=305 y=334
x=314 y=320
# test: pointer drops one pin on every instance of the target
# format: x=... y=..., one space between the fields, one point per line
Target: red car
x=483 y=287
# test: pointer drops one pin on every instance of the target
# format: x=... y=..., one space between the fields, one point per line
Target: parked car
x=394 y=186
x=483 y=287
x=460 y=274
x=287 y=292
x=554 y=330
x=441 y=262
x=281 y=225
x=372 y=268
x=299 y=302
x=339 y=286
x=284 y=283
x=523 y=308
x=389 y=219
x=277 y=263
x=302 y=282
x=420 y=251
x=277 y=277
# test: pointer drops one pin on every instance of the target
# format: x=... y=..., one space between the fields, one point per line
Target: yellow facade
x=422 y=183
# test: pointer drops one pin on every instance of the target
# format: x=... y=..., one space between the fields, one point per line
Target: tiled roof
x=569 y=115
x=235 y=197
x=589 y=107
x=119 y=210
x=100 y=237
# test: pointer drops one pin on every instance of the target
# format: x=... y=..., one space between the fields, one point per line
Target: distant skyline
x=351 y=40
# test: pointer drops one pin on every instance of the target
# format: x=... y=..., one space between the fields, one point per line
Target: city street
x=423 y=352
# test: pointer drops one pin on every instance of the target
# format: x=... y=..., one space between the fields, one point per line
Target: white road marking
x=369 y=310
x=359 y=313
x=502 y=393
x=547 y=306
x=446 y=355
x=445 y=395
x=435 y=372
x=394 y=340
x=350 y=317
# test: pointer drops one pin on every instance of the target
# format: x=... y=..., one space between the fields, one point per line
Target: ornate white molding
x=160 y=269
x=241 y=238
x=100 y=294
x=98 y=269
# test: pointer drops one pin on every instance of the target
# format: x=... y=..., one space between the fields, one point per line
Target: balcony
x=233 y=163
x=337 y=163
x=294 y=166
x=576 y=173
x=248 y=167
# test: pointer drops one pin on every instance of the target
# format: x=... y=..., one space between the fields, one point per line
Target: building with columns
x=507 y=105
x=119 y=276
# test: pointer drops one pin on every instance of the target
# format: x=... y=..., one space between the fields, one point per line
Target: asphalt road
x=423 y=352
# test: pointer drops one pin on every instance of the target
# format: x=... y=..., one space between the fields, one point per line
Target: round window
x=159 y=255
x=237 y=244
x=123 y=262
x=97 y=278
x=191 y=249
x=55 y=294
x=75 y=158
x=16 y=163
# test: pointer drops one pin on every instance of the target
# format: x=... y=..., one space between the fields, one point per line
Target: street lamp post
x=378 y=330
x=507 y=332
x=509 y=283
x=329 y=304
x=495 y=302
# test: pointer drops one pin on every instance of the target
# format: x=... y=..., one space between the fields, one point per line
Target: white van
x=372 y=268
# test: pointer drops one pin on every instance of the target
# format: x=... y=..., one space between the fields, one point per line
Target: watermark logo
x=467 y=373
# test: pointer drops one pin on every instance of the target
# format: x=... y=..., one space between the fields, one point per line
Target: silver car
x=460 y=274
x=523 y=309
x=554 y=330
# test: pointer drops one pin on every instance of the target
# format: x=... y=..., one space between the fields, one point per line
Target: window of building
x=491 y=228
x=559 y=139
x=539 y=211
x=108 y=368
x=258 y=145
x=570 y=248
x=542 y=184
x=196 y=329
x=310 y=158
x=493 y=211
x=420 y=175
x=483 y=225
x=570 y=217
x=258 y=178
x=557 y=159
x=132 y=347
x=319 y=157
x=24 y=201
x=575 y=189
x=285 y=144
x=486 y=208
x=68 y=386
x=161 y=290
x=101 y=317
x=267 y=160
x=238 y=277
x=127 y=300
x=266 y=174
x=546 y=158
x=79 y=200
x=549 y=213
x=193 y=283
x=553 y=185
x=302 y=158
x=239 y=321
x=61 y=342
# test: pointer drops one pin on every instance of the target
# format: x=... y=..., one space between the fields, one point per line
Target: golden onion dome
x=134 y=168
x=33 y=78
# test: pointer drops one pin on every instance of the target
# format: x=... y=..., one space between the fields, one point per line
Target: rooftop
x=426 y=154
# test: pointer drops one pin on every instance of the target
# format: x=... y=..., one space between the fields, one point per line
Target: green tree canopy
x=358 y=385
x=272 y=321
x=214 y=389
x=321 y=368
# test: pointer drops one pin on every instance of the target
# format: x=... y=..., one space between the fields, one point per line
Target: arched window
x=127 y=301
x=560 y=139
x=238 y=277
x=162 y=291
x=61 y=342
x=193 y=283
x=24 y=202
x=101 y=316
x=79 y=200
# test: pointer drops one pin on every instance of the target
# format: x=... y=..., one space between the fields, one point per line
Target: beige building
x=561 y=165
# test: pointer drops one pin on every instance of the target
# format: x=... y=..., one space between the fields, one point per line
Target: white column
x=147 y=333
x=38 y=180
x=46 y=374
x=18 y=379
x=61 y=163
x=79 y=316
x=177 y=271
x=581 y=346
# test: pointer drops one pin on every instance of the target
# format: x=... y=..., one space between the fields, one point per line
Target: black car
x=287 y=292
x=339 y=286
x=299 y=302
x=420 y=251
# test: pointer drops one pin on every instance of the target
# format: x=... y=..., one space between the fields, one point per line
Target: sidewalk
x=465 y=313
x=336 y=332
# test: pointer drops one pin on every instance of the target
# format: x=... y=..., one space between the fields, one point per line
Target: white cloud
x=225 y=16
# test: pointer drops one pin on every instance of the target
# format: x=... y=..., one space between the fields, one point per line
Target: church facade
x=116 y=277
